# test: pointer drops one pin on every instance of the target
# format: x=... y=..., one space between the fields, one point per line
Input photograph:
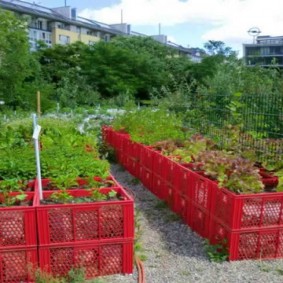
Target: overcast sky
x=187 y=22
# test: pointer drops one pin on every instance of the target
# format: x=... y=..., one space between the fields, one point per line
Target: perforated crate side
x=18 y=225
x=158 y=164
x=15 y=264
x=103 y=258
x=248 y=244
x=134 y=150
x=133 y=166
x=201 y=190
x=181 y=205
x=198 y=219
x=160 y=189
x=264 y=210
x=146 y=177
x=63 y=223
x=146 y=157
x=169 y=170
x=185 y=181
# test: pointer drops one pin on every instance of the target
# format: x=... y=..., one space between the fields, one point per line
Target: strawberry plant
x=61 y=196
x=9 y=186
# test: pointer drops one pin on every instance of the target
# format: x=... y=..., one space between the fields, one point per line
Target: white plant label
x=36 y=132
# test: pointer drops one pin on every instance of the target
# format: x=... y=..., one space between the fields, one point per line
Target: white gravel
x=175 y=254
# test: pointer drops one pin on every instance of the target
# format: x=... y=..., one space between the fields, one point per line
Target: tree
x=215 y=47
x=17 y=65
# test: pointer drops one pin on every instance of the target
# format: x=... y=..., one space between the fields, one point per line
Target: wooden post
x=38 y=104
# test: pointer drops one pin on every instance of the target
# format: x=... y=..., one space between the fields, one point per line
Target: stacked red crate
x=82 y=234
x=18 y=241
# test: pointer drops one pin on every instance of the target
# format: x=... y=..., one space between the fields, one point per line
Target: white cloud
x=229 y=20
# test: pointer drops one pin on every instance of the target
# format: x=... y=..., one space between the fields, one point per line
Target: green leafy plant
x=149 y=126
x=244 y=177
x=9 y=186
x=96 y=195
x=61 y=196
x=218 y=252
x=65 y=181
x=234 y=173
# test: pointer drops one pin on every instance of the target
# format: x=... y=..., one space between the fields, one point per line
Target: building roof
x=53 y=14
x=40 y=11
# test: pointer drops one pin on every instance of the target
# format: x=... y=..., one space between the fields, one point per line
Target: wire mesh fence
x=250 y=123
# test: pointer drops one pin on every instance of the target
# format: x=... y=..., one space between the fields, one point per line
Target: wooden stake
x=38 y=104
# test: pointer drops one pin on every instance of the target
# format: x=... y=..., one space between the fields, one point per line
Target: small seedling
x=218 y=252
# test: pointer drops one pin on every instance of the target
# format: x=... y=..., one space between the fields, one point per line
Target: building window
x=39 y=24
x=106 y=37
x=64 y=39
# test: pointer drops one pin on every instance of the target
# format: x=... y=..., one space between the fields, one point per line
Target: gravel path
x=175 y=254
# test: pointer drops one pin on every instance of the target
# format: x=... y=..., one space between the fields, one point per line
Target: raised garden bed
x=81 y=222
x=216 y=213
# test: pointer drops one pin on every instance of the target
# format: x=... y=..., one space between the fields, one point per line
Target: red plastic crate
x=159 y=187
x=107 y=134
x=158 y=164
x=181 y=205
x=15 y=264
x=200 y=190
x=248 y=244
x=184 y=181
x=169 y=170
x=146 y=157
x=146 y=177
x=264 y=210
x=118 y=139
x=63 y=223
x=198 y=219
x=18 y=225
x=133 y=166
x=97 y=259
x=123 y=159
x=134 y=150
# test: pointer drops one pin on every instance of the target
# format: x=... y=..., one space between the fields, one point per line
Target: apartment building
x=266 y=51
x=59 y=25
x=62 y=25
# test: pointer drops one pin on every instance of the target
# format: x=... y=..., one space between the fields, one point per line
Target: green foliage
x=17 y=65
x=215 y=47
x=9 y=186
x=235 y=173
x=64 y=149
x=125 y=66
x=218 y=252
x=75 y=275
x=61 y=196
x=149 y=126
